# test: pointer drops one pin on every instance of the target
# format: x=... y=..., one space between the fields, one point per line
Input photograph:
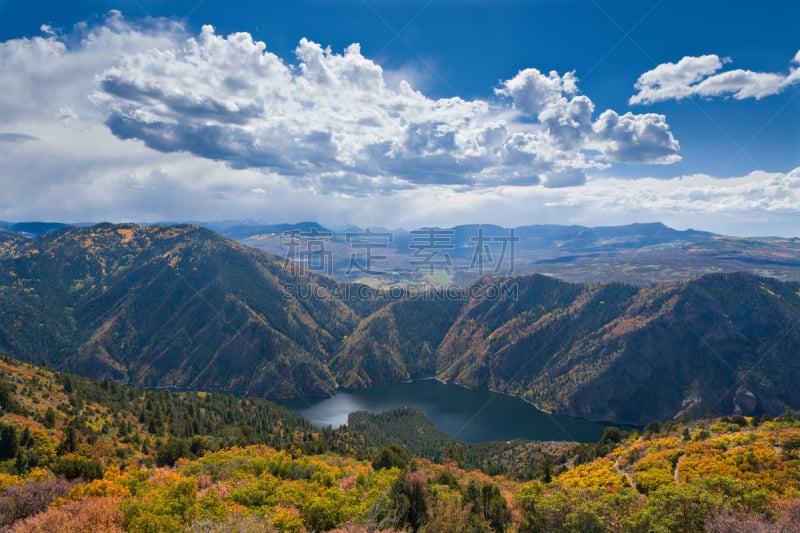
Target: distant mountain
x=30 y=229
x=635 y=253
x=240 y=230
x=183 y=307
x=641 y=253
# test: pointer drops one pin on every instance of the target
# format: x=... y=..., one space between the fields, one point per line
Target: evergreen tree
x=9 y=443
x=70 y=440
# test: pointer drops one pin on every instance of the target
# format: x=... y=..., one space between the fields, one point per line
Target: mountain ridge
x=184 y=307
x=149 y=306
x=639 y=253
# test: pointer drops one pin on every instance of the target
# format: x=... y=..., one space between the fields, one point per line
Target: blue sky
x=510 y=112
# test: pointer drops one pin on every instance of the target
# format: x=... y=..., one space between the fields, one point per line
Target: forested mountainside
x=178 y=306
x=181 y=306
x=396 y=343
x=725 y=343
x=9 y=242
x=82 y=455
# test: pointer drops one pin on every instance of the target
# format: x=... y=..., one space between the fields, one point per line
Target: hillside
x=56 y=414
x=178 y=306
x=75 y=456
x=717 y=475
x=183 y=307
x=722 y=343
x=396 y=343
x=9 y=242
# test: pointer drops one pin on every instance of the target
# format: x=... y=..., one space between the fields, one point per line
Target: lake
x=468 y=415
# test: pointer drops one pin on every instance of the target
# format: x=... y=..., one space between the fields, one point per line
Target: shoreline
x=496 y=391
x=445 y=382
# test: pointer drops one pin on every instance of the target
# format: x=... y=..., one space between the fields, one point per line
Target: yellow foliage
x=654 y=471
x=40 y=474
x=7 y=480
x=748 y=456
x=97 y=488
x=599 y=474
x=112 y=473
x=287 y=519
x=767 y=456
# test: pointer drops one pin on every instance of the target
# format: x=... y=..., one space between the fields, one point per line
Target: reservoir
x=468 y=415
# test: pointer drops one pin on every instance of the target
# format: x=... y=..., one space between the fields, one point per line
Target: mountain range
x=639 y=254
x=184 y=307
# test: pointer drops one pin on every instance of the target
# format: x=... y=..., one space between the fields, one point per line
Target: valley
x=639 y=254
x=399 y=267
x=185 y=308
x=186 y=335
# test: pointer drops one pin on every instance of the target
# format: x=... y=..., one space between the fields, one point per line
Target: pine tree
x=70 y=440
x=9 y=443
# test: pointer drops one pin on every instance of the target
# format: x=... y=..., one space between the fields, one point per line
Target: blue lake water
x=468 y=415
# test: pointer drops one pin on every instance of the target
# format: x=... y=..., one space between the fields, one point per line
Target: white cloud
x=333 y=137
x=701 y=76
x=758 y=192
x=535 y=93
x=329 y=124
x=636 y=138
x=568 y=127
x=760 y=203
x=333 y=118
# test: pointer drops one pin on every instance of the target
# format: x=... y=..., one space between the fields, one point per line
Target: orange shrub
x=98 y=515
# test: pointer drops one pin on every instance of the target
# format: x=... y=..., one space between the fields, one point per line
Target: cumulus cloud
x=701 y=76
x=332 y=117
x=636 y=138
x=535 y=93
x=226 y=129
x=568 y=124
